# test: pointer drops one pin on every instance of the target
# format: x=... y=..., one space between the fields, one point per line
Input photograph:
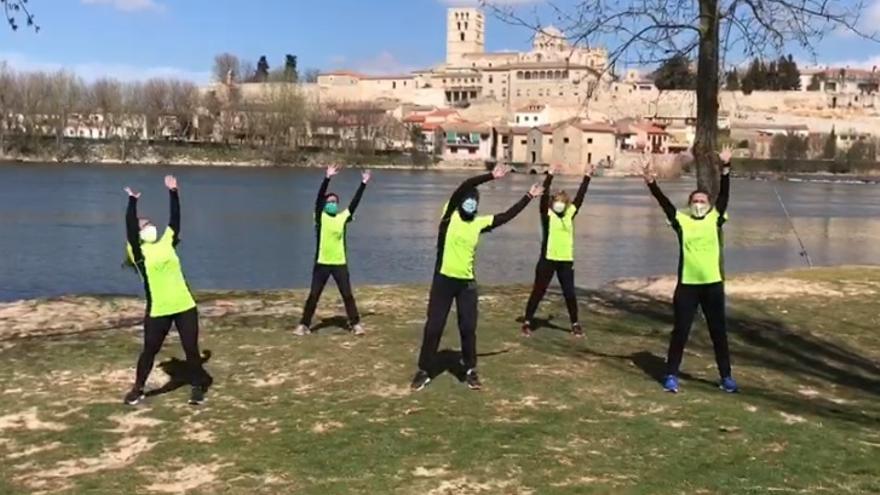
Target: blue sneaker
x=728 y=384
x=670 y=384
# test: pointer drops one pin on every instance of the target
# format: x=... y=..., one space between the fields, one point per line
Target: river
x=62 y=232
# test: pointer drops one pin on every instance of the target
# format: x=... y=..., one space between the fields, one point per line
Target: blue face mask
x=469 y=206
x=331 y=208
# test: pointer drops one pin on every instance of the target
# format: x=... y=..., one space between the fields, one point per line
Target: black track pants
x=711 y=299
x=544 y=271
x=340 y=275
x=443 y=291
x=155 y=330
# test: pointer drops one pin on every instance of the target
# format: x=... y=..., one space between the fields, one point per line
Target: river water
x=62 y=232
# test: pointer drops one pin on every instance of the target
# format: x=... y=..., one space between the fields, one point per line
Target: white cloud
x=129 y=5
x=873 y=14
x=383 y=63
x=91 y=71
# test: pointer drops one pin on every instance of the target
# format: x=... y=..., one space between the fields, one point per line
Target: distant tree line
x=778 y=75
x=229 y=68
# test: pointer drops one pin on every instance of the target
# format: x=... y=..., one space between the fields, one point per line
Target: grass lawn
x=332 y=414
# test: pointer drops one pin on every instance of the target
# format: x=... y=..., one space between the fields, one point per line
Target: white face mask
x=559 y=206
x=149 y=234
x=699 y=210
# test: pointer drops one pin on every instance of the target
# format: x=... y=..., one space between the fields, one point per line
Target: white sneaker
x=358 y=330
x=301 y=331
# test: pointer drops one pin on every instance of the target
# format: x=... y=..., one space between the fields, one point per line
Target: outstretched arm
x=724 y=192
x=545 y=196
x=322 y=191
x=511 y=213
x=174 y=220
x=582 y=191
x=131 y=225
x=458 y=195
x=356 y=200
x=651 y=180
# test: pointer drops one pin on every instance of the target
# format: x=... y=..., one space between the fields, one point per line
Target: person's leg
x=343 y=283
x=543 y=275
x=684 y=304
x=565 y=274
x=187 y=324
x=712 y=302
x=155 y=330
x=466 y=307
x=439 y=304
x=320 y=274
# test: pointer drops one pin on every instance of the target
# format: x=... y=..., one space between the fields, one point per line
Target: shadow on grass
x=179 y=375
x=340 y=322
x=798 y=356
x=539 y=323
x=449 y=360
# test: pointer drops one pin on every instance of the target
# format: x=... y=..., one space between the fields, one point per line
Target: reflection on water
x=62 y=227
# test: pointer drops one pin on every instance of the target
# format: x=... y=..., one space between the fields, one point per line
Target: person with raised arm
x=557 y=213
x=331 y=260
x=168 y=296
x=700 y=271
x=454 y=279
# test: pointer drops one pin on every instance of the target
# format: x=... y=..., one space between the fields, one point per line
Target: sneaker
x=670 y=384
x=134 y=396
x=526 y=329
x=197 y=395
x=473 y=380
x=420 y=381
x=728 y=384
x=576 y=330
x=301 y=330
x=358 y=330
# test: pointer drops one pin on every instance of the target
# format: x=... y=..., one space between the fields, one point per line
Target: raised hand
x=332 y=170
x=590 y=170
x=726 y=154
x=500 y=171
x=536 y=190
x=554 y=169
x=132 y=193
x=171 y=182
x=648 y=172
x=365 y=176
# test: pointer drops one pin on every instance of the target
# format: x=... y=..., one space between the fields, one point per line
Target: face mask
x=559 y=206
x=699 y=210
x=469 y=206
x=331 y=208
x=149 y=234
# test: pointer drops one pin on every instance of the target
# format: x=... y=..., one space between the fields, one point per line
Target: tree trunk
x=706 y=141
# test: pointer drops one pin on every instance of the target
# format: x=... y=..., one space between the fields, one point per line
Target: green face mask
x=331 y=208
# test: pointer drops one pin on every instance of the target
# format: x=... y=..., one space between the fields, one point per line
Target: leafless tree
x=183 y=102
x=67 y=92
x=156 y=105
x=653 y=31
x=7 y=103
x=17 y=9
x=226 y=65
x=106 y=99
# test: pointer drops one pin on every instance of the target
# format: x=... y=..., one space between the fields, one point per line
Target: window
x=517 y=119
x=589 y=140
x=519 y=74
x=565 y=140
x=518 y=93
x=589 y=158
x=472 y=151
x=462 y=36
x=459 y=26
x=551 y=140
x=505 y=140
x=465 y=25
x=523 y=142
x=393 y=84
x=490 y=78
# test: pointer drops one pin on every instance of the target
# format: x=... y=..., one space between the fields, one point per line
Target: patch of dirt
x=28 y=420
x=121 y=455
x=792 y=419
x=743 y=287
x=325 y=427
x=132 y=422
x=422 y=472
x=391 y=391
x=34 y=450
x=197 y=432
x=466 y=486
x=182 y=480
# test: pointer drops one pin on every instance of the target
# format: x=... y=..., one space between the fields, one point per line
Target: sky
x=139 y=39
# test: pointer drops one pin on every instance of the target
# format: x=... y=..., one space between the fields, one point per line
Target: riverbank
x=332 y=414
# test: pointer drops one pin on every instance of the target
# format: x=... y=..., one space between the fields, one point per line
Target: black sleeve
x=723 y=194
x=502 y=218
x=667 y=205
x=356 y=200
x=132 y=231
x=458 y=196
x=582 y=191
x=545 y=197
x=174 y=222
x=320 y=200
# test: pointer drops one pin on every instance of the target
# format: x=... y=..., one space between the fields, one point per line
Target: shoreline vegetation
x=557 y=415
